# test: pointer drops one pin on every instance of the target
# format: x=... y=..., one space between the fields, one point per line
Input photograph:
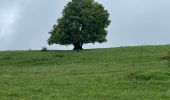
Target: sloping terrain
x=125 y=73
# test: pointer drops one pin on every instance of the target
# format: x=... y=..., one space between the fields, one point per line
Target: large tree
x=82 y=22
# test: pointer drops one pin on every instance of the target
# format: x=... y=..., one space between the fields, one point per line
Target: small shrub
x=44 y=49
x=29 y=49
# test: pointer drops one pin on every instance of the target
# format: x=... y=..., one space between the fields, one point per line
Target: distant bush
x=29 y=49
x=44 y=49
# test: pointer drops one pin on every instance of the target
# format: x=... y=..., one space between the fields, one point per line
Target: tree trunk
x=78 y=46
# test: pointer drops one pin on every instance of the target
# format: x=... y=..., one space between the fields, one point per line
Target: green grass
x=126 y=73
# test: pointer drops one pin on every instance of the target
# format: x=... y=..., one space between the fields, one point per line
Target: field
x=125 y=73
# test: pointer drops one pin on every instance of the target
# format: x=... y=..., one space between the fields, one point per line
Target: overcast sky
x=25 y=24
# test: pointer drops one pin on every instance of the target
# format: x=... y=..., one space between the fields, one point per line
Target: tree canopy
x=82 y=22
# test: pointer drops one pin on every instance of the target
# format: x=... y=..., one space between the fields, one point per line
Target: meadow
x=124 y=73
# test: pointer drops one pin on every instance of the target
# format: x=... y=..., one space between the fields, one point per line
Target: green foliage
x=100 y=74
x=83 y=21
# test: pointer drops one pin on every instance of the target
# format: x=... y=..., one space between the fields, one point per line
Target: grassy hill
x=126 y=73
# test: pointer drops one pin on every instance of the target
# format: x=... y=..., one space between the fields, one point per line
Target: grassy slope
x=128 y=73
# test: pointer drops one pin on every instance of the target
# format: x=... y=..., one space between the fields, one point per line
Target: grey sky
x=25 y=24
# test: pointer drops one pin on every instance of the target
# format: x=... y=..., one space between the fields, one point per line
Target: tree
x=83 y=21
